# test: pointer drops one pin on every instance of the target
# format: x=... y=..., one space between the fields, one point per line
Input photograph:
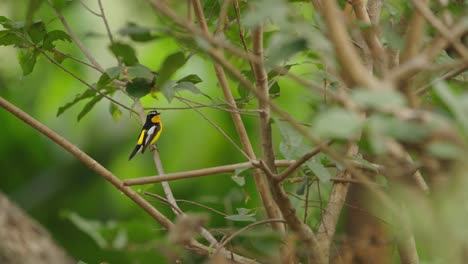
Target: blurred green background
x=52 y=186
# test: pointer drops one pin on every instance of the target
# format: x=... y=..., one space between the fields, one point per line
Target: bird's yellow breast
x=158 y=134
x=156 y=119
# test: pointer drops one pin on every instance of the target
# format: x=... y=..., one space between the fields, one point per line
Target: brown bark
x=365 y=237
x=23 y=240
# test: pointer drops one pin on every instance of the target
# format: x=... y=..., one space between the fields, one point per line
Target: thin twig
x=185 y=201
x=264 y=222
x=109 y=32
x=299 y=163
x=216 y=127
x=198 y=173
x=75 y=38
x=89 y=9
x=75 y=59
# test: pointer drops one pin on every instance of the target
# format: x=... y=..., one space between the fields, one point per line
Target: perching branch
x=200 y=173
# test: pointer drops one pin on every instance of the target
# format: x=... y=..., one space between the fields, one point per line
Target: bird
x=149 y=133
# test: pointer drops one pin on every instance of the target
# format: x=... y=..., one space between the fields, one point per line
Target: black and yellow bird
x=149 y=133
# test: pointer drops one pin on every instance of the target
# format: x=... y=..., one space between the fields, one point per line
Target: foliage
x=380 y=124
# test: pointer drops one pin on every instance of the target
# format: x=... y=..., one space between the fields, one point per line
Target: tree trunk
x=23 y=240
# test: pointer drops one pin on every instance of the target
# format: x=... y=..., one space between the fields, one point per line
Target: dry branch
x=200 y=173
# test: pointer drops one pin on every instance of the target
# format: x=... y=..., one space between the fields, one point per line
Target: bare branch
x=261 y=80
x=352 y=65
x=330 y=217
x=378 y=53
x=199 y=173
x=439 y=25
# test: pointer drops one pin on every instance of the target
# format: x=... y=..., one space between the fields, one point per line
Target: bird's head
x=153 y=116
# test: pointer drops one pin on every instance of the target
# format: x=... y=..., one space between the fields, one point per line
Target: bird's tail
x=135 y=151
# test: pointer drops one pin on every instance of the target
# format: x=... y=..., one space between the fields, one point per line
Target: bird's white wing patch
x=150 y=134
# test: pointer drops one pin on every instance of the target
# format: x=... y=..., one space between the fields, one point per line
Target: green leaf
x=241 y=218
x=106 y=78
x=37 y=32
x=90 y=227
x=139 y=87
x=291 y=144
x=86 y=94
x=138 y=33
x=167 y=90
x=300 y=190
x=192 y=78
x=284 y=46
x=60 y=4
x=171 y=64
x=11 y=37
x=139 y=71
x=318 y=169
x=337 y=123
x=244 y=215
x=114 y=110
x=187 y=86
x=88 y=106
x=59 y=56
x=120 y=240
x=365 y=164
x=53 y=36
x=380 y=127
x=124 y=52
x=453 y=103
x=243 y=91
x=27 y=60
x=171 y=88
x=7 y=23
x=239 y=180
x=444 y=150
x=274 y=90
x=239 y=170
x=378 y=99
